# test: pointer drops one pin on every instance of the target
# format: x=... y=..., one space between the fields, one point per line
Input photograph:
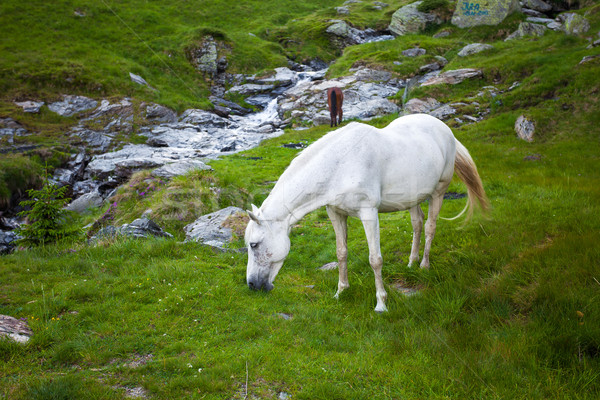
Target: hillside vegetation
x=508 y=309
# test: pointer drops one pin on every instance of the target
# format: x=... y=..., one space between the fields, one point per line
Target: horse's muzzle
x=255 y=283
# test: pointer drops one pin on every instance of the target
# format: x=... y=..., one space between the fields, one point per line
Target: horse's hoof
x=380 y=310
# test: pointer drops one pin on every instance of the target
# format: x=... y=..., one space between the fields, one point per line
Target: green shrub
x=17 y=174
x=48 y=221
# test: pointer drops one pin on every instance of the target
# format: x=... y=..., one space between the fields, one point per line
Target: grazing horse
x=360 y=171
x=335 y=98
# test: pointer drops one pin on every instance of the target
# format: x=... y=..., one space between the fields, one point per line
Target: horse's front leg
x=370 y=220
x=340 y=226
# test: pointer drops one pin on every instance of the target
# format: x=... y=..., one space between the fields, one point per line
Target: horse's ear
x=252 y=214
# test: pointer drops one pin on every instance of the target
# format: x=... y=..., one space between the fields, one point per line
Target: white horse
x=360 y=171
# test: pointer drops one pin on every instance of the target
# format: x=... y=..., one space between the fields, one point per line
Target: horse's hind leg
x=435 y=206
x=340 y=226
x=416 y=219
x=370 y=221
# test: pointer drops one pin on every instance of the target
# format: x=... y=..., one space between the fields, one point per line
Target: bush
x=48 y=221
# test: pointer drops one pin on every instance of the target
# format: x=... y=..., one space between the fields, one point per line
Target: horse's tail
x=333 y=103
x=466 y=170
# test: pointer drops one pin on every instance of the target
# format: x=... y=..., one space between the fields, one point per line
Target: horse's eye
x=254 y=245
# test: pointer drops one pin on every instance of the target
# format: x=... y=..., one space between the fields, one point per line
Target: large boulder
x=537 y=5
x=408 y=20
x=574 y=24
x=483 y=12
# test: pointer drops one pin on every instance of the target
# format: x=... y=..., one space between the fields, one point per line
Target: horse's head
x=268 y=245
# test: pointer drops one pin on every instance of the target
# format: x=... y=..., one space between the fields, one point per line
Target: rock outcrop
x=483 y=12
x=409 y=19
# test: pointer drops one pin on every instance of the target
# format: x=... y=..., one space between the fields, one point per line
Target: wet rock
x=408 y=19
x=527 y=29
x=429 y=67
x=15 y=329
x=525 y=128
x=537 y=5
x=30 y=106
x=211 y=229
x=234 y=107
x=251 y=89
x=133 y=158
x=7 y=241
x=179 y=168
x=71 y=105
x=97 y=141
x=468 y=14
x=474 y=48
x=204 y=118
x=158 y=113
x=453 y=77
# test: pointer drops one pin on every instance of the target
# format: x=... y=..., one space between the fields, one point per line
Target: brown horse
x=335 y=98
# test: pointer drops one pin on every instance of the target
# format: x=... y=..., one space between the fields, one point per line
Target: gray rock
x=179 y=168
x=429 y=67
x=138 y=79
x=205 y=57
x=86 y=202
x=7 y=241
x=537 y=5
x=540 y=20
x=442 y=34
x=468 y=14
x=417 y=106
x=158 y=113
x=71 y=105
x=453 y=77
x=414 y=52
x=441 y=60
x=204 y=118
x=527 y=29
x=14 y=329
x=329 y=266
x=209 y=228
x=30 y=106
x=98 y=141
x=474 y=48
x=11 y=129
x=408 y=19
x=250 y=89
x=587 y=59
x=574 y=24
x=133 y=158
x=533 y=13
x=343 y=10
x=525 y=128
x=142 y=228
x=444 y=112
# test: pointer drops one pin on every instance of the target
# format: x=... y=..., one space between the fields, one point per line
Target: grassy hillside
x=508 y=310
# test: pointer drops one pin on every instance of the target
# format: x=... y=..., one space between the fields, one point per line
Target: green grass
x=508 y=309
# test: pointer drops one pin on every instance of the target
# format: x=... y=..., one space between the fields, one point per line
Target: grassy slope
x=508 y=309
